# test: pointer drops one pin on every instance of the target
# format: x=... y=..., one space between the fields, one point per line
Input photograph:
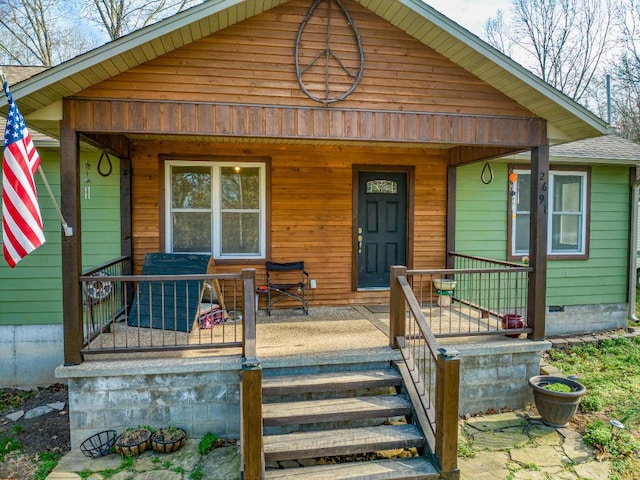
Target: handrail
x=426 y=362
x=416 y=311
x=449 y=271
x=167 y=278
x=485 y=259
x=104 y=266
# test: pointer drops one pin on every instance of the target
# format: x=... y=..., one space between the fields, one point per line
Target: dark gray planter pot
x=556 y=408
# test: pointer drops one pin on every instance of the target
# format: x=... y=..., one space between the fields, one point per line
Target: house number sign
x=329 y=69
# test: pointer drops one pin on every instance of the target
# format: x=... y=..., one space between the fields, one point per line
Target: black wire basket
x=99 y=444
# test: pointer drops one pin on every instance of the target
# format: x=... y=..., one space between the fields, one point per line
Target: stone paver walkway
x=516 y=446
x=220 y=464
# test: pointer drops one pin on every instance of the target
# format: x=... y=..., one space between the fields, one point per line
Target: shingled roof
x=15 y=74
x=607 y=147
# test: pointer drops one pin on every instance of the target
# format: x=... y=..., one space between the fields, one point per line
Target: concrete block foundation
x=202 y=394
x=198 y=395
x=495 y=374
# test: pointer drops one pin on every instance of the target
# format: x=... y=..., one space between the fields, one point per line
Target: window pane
x=191 y=187
x=522 y=233
x=566 y=234
x=523 y=200
x=191 y=232
x=567 y=193
x=240 y=188
x=240 y=233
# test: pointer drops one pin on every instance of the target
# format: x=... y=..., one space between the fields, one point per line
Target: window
x=567 y=215
x=216 y=208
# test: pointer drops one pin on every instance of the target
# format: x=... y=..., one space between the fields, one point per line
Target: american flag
x=21 y=220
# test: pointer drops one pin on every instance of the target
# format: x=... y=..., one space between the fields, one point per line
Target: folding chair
x=284 y=283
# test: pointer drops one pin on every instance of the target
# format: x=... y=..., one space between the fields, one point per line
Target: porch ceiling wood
x=412 y=16
x=302 y=123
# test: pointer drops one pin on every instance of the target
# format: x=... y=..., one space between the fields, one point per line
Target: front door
x=381 y=226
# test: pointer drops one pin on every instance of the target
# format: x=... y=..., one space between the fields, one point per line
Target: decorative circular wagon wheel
x=99 y=289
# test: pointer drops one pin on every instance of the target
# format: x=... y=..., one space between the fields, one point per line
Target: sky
x=471 y=14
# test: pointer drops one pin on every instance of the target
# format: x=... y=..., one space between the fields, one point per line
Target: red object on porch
x=512 y=320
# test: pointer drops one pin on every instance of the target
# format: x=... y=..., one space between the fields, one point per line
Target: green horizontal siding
x=31 y=293
x=481 y=212
x=481 y=229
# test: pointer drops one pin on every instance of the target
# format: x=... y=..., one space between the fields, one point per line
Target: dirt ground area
x=45 y=433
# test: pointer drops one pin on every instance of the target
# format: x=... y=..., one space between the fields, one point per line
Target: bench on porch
x=175 y=305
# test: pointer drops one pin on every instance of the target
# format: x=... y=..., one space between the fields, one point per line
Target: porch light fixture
x=236 y=169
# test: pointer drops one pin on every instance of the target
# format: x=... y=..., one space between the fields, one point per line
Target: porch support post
x=451 y=214
x=126 y=226
x=447 y=404
x=536 y=305
x=251 y=442
x=397 y=322
x=71 y=246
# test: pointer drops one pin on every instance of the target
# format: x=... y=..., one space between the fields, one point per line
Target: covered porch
x=449 y=374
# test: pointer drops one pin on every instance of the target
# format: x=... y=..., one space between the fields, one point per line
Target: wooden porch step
x=294 y=446
x=401 y=469
x=335 y=410
x=330 y=382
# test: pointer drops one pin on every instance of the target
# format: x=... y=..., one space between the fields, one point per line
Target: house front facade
x=296 y=130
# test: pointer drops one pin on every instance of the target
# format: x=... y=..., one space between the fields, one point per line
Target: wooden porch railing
x=434 y=371
x=479 y=296
x=136 y=313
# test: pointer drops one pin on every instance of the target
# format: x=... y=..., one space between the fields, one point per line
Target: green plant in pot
x=556 y=398
x=133 y=441
x=168 y=439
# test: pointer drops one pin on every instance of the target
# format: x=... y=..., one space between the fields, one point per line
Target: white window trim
x=216 y=207
x=583 y=202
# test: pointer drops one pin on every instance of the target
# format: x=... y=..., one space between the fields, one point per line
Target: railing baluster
x=108 y=326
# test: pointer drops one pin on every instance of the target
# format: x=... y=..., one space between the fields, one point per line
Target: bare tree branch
x=564 y=42
x=34 y=32
x=119 y=17
x=626 y=98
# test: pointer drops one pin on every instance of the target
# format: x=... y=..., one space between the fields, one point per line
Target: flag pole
x=68 y=231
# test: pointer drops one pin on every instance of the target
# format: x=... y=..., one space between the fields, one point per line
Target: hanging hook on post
x=108 y=172
x=486 y=170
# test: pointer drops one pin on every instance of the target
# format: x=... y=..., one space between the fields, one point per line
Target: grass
x=46 y=463
x=611 y=375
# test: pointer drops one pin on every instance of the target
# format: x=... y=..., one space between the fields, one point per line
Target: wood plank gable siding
x=311 y=207
x=225 y=83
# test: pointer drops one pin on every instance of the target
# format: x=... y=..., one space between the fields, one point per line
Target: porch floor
x=287 y=332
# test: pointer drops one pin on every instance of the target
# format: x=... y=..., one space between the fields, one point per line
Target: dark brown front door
x=381 y=230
